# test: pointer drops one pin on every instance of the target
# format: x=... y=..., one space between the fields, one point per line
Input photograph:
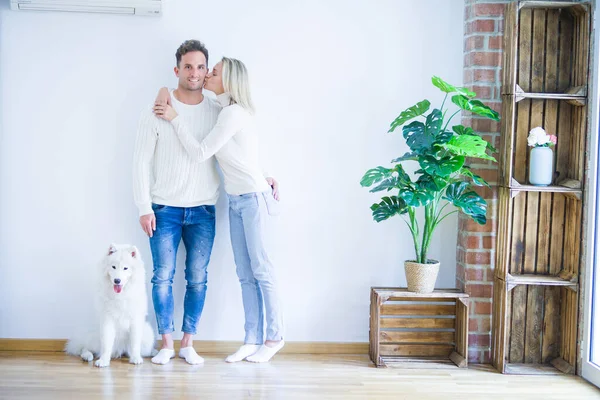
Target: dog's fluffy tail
x=73 y=347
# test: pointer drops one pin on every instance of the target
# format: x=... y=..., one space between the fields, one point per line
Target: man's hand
x=148 y=223
x=164 y=111
x=275 y=186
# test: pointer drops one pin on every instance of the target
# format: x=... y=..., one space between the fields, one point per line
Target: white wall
x=328 y=77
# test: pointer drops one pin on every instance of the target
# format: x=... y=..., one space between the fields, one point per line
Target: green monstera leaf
x=477 y=180
x=421 y=136
x=415 y=197
x=448 y=88
x=409 y=156
x=412 y=112
x=375 y=175
x=462 y=130
x=443 y=137
x=431 y=183
x=443 y=167
x=396 y=181
x=469 y=146
x=469 y=202
x=388 y=207
x=475 y=106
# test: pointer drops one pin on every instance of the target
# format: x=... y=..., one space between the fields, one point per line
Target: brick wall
x=476 y=244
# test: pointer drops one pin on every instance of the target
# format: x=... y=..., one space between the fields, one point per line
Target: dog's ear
x=112 y=249
x=134 y=252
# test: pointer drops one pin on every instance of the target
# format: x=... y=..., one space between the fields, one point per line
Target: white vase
x=541 y=166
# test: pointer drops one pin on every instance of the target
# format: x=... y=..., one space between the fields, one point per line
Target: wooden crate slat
x=416 y=337
x=439 y=323
x=551 y=339
x=440 y=350
x=517 y=328
x=417 y=309
x=534 y=324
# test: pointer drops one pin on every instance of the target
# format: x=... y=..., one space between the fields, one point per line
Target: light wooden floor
x=58 y=376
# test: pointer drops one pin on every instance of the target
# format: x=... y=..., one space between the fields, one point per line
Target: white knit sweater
x=234 y=142
x=163 y=172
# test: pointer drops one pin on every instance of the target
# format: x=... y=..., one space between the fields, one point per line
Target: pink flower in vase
x=553 y=139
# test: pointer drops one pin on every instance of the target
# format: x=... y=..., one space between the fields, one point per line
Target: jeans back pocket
x=273 y=207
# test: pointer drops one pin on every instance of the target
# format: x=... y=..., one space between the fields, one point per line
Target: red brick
x=484 y=75
x=483 y=25
x=481 y=307
x=485 y=125
x=467 y=76
x=475 y=356
x=472 y=274
x=485 y=324
x=473 y=226
x=495 y=42
x=483 y=92
x=484 y=59
x=487 y=10
x=471 y=242
x=478 y=258
x=476 y=339
x=491 y=177
x=474 y=43
x=473 y=325
x=488 y=242
x=460 y=271
x=483 y=290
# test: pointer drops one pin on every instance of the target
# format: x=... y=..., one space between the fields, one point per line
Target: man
x=179 y=201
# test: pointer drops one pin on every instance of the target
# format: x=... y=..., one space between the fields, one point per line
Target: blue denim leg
x=251 y=294
x=250 y=209
x=198 y=238
x=164 y=244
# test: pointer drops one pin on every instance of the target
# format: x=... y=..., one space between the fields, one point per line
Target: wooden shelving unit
x=546 y=51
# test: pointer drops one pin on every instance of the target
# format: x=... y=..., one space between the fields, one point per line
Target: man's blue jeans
x=196 y=226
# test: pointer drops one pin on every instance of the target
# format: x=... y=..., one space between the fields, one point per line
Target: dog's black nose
x=117 y=281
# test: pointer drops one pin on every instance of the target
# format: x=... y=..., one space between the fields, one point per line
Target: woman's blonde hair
x=236 y=83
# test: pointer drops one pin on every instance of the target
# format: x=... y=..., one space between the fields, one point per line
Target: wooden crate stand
x=407 y=327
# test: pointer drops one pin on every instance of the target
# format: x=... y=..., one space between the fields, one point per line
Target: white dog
x=121 y=302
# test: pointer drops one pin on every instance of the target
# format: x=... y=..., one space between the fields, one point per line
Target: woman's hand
x=274 y=186
x=163 y=97
x=164 y=111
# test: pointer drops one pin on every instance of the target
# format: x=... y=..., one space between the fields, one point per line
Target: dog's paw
x=87 y=356
x=101 y=362
x=136 y=360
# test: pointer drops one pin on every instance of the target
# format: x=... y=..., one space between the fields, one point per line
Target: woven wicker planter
x=421 y=277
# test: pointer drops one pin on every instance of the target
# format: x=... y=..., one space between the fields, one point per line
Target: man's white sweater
x=163 y=172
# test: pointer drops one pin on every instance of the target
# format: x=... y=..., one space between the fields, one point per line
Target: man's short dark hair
x=190 y=45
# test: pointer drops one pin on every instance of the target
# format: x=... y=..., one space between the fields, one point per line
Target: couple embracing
x=176 y=186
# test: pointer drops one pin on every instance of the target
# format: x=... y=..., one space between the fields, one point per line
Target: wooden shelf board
x=531 y=369
x=540 y=280
x=568 y=187
x=404 y=293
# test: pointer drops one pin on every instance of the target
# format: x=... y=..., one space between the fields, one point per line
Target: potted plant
x=443 y=178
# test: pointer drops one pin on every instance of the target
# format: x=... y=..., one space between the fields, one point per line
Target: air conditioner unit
x=128 y=7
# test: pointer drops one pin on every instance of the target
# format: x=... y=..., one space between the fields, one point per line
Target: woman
x=234 y=142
